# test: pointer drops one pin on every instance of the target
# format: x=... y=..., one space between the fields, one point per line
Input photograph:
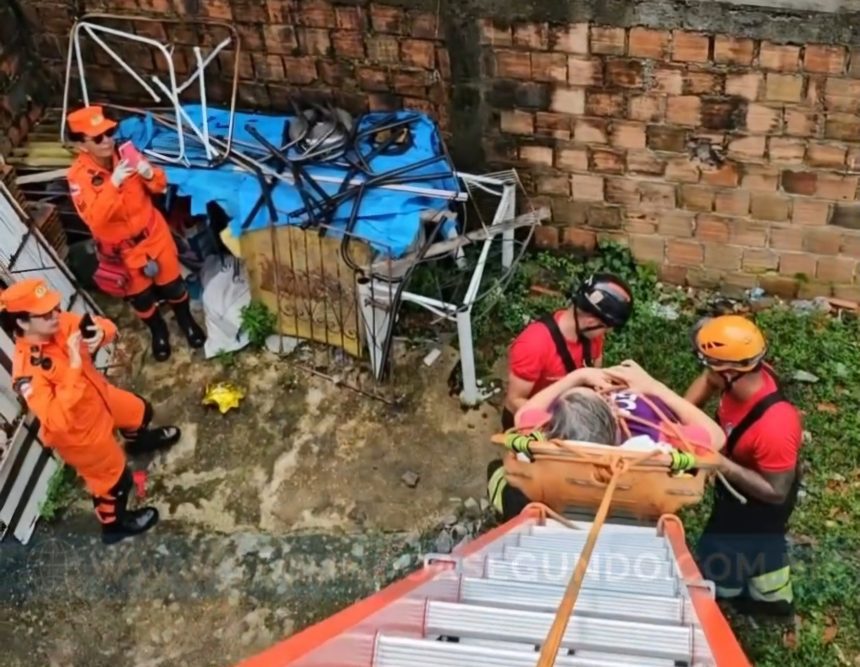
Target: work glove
x=151 y=268
x=682 y=461
x=145 y=169
x=120 y=173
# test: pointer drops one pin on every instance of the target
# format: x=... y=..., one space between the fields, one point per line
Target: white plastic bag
x=225 y=292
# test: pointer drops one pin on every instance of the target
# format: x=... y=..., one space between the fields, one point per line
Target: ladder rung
x=591 y=602
x=499 y=568
x=582 y=633
x=615 y=565
x=392 y=651
x=556 y=544
x=612 y=541
x=608 y=533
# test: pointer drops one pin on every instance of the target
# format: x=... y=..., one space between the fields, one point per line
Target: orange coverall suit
x=127 y=219
x=79 y=409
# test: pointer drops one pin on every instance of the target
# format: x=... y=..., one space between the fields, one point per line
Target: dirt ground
x=273 y=515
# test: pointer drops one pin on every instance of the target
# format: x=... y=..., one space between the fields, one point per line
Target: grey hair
x=582 y=416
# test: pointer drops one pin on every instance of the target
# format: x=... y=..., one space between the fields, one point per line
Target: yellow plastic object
x=231 y=242
x=223 y=394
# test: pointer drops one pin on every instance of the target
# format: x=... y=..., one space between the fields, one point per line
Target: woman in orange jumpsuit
x=77 y=407
x=115 y=202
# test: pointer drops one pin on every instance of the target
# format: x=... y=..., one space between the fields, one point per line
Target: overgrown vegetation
x=258 y=322
x=825 y=531
x=62 y=489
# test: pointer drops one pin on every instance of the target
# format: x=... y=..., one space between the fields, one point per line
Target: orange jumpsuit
x=126 y=217
x=78 y=408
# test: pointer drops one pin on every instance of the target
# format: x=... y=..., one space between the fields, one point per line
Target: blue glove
x=151 y=268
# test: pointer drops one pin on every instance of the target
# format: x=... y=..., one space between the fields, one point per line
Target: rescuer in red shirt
x=743 y=548
x=550 y=348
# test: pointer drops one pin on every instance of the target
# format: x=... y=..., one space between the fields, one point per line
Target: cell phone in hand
x=130 y=154
x=87 y=326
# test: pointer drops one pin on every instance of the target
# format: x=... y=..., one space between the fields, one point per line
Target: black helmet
x=596 y=296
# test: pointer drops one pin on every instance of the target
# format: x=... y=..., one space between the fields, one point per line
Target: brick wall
x=721 y=142
x=23 y=86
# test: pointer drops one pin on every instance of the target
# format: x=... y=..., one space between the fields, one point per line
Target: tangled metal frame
x=381 y=287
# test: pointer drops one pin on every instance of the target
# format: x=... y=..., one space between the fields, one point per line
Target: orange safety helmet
x=729 y=343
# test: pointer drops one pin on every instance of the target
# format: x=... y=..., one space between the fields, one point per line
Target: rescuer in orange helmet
x=114 y=199
x=77 y=407
x=743 y=547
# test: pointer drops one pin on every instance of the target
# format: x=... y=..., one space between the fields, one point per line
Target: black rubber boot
x=160 y=336
x=133 y=522
x=195 y=335
x=152 y=439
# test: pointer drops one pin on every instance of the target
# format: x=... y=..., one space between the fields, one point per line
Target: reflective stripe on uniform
x=772 y=586
x=496 y=486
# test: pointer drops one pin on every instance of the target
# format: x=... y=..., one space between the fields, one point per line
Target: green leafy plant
x=258 y=322
x=62 y=489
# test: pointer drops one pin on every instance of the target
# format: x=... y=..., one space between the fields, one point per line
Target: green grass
x=826 y=562
x=63 y=488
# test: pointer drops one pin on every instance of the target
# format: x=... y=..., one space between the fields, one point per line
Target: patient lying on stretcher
x=618 y=406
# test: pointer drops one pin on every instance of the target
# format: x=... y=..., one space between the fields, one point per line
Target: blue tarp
x=387 y=219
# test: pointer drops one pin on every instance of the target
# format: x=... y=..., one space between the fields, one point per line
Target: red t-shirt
x=773 y=442
x=533 y=356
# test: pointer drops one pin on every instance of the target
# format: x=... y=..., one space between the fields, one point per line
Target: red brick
x=690 y=46
x=842 y=95
x=770 y=206
x=549 y=66
x=604 y=104
x=540 y=155
x=728 y=175
x=748 y=147
x=671 y=274
x=712 y=228
x=384 y=49
x=841 y=126
x=733 y=51
x=676 y=223
x=628 y=135
x=684 y=110
x=799 y=182
x=554 y=125
x=824 y=59
x=214 y=9
x=372 y=78
x=386 y=18
x=584 y=71
x=607 y=161
x=783 y=87
x=781 y=286
x=810 y=212
x=314 y=41
x=810 y=290
x=697 y=197
x=622 y=190
x=747 y=86
x=815 y=86
x=835 y=186
x=579 y=238
x=702 y=278
x=703 y=83
x=657 y=196
x=723 y=257
x=348 y=44
x=682 y=169
x=640 y=223
x=684 y=253
x=732 y=202
x=645 y=162
x=847 y=292
x=757 y=260
x=850 y=245
x=822 y=241
x=668 y=80
x=647 y=248
x=568 y=100
x=624 y=73
x=350 y=18
x=671 y=139
x=836 y=269
x=605 y=217
x=546 y=237
x=422 y=25
x=800 y=122
x=554 y=184
x=269 y=68
x=571 y=158
x=280 y=39
x=648 y=108
x=822 y=154
x=749 y=233
x=788 y=237
x=779 y=57
x=495 y=34
x=647 y=43
x=763 y=119
x=797 y=264
x=760 y=178
x=336 y=73
x=785 y=150
x=443 y=63
x=517 y=122
x=607 y=40
x=591 y=130
x=570 y=39
x=534 y=36
x=418 y=53
x=301 y=70
x=852 y=161
x=587 y=187
x=513 y=64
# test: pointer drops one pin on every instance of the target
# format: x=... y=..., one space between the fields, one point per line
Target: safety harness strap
x=561 y=344
x=756 y=413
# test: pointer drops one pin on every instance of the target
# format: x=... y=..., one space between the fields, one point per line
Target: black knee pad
x=143 y=301
x=173 y=291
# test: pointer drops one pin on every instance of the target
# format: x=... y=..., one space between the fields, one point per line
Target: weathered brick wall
x=23 y=87
x=612 y=110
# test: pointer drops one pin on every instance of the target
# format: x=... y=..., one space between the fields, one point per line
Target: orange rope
x=550 y=647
